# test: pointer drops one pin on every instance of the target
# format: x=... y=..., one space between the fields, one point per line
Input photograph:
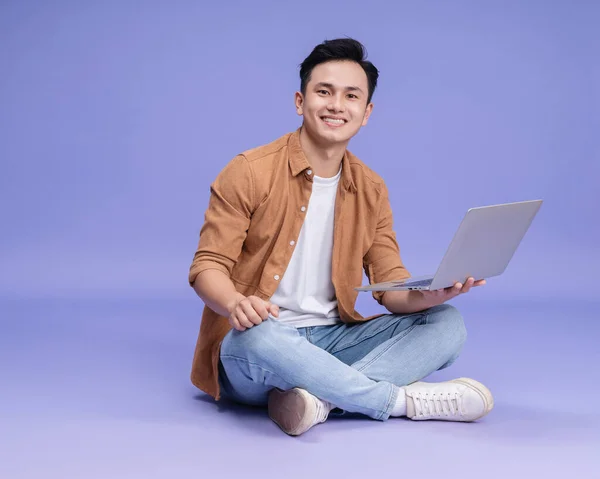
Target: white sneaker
x=462 y=399
x=296 y=411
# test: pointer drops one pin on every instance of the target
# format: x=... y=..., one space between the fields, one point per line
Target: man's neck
x=325 y=161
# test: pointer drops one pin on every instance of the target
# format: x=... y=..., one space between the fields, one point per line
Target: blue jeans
x=356 y=367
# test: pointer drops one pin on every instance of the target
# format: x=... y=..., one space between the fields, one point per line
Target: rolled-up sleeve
x=226 y=220
x=383 y=262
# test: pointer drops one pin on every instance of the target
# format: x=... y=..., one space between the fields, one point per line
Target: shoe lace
x=437 y=404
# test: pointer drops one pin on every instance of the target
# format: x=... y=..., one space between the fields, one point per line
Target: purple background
x=116 y=116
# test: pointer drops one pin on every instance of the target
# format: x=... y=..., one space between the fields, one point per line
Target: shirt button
x=292 y=243
x=303 y=208
x=309 y=172
x=276 y=277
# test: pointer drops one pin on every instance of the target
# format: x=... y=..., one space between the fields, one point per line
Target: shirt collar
x=299 y=163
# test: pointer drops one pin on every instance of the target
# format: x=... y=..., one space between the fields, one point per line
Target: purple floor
x=94 y=389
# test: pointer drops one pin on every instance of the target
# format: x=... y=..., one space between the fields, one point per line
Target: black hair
x=339 y=49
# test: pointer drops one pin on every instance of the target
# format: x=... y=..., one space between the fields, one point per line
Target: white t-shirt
x=305 y=295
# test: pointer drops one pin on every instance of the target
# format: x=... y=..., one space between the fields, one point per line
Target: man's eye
x=351 y=95
x=325 y=92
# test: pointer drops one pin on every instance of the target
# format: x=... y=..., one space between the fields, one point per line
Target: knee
x=256 y=342
x=452 y=325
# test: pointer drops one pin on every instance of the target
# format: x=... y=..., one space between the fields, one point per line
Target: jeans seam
x=237 y=358
x=365 y=337
x=392 y=342
x=394 y=391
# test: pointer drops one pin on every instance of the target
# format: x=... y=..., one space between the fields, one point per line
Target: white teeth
x=333 y=120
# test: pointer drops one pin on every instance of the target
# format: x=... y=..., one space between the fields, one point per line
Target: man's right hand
x=251 y=311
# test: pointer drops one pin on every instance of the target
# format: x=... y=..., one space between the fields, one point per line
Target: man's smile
x=333 y=121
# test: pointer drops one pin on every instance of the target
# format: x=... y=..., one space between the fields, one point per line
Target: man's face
x=335 y=104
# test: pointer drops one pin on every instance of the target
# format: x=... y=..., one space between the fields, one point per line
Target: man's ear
x=299 y=101
x=368 y=112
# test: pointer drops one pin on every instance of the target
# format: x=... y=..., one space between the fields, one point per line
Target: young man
x=288 y=230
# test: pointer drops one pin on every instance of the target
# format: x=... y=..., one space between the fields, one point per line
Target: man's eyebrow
x=330 y=85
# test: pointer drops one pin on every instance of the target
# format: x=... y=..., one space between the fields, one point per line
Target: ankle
x=399 y=407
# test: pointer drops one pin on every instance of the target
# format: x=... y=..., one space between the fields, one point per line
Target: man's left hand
x=440 y=296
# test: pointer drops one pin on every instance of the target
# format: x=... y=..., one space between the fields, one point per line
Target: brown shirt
x=257 y=206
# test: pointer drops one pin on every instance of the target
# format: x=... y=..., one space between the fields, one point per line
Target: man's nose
x=336 y=103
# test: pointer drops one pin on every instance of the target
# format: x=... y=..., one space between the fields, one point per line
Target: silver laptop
x=482 y=247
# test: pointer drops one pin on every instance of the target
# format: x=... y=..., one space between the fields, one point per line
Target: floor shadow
x=225 y=405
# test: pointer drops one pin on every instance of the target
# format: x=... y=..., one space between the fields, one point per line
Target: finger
x=259 y=306
x=272 y=309
x=467 y=286
x=250 y=313
x=480 y=282
x=243 y=320
x=235 y=324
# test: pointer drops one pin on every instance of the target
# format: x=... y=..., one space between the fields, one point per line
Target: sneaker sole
x=483 y=391
x=291 y=410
